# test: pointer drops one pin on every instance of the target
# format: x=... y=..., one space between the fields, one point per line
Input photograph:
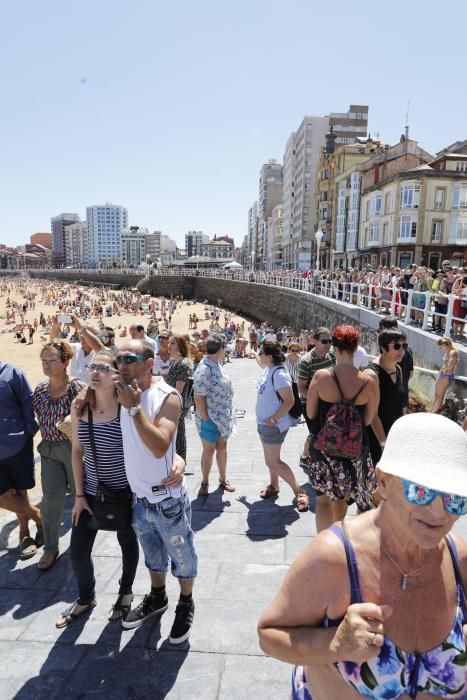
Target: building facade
x=194 y=240
x=351 y=125
x=76 y=244
x=270 y=195
x=152 y=245
x=41 y=238
x=223 y=247
x=105 y=225
x=58 y=224
x=253 y=225
x=133 y=246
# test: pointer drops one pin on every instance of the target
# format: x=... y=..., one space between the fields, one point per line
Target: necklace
x=404 y=575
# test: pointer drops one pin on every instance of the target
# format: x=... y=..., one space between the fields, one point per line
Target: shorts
x=271 y=435
x=209 y=431
x=17 y=471
x=164 y=533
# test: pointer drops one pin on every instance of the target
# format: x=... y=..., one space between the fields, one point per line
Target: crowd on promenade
x=111 y=411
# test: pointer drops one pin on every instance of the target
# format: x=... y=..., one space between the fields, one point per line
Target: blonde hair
x=446 y=341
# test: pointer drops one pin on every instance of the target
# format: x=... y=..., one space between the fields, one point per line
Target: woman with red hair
x=340 y=480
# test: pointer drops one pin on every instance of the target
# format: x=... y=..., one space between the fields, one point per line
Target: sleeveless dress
x=440 y=672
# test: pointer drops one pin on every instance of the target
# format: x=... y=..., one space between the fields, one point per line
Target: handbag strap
x=93 y=445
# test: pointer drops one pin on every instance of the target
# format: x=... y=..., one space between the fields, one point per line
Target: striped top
x=109 y=453
x=293 y=369
x=50 y=411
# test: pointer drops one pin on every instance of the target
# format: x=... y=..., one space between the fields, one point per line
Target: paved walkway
x=244 y=545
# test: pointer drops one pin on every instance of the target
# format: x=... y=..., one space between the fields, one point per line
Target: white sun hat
x=429 y=450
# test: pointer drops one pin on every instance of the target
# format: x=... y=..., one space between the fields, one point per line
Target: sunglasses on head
x=129 y=359
x=398 y=346
x=422 y=496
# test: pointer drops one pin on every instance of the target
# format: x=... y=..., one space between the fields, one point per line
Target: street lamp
x=319 y=237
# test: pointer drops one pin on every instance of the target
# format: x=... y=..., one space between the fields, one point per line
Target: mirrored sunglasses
x=129 y=359
x=423 y=496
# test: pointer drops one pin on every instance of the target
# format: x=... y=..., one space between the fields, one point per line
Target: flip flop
x=203 y=490
x=68 y=616
x=27 y=548
x=227 y=486
x=268 y=492
x=118 y=607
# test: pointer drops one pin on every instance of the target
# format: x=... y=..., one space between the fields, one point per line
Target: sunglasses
x=101 y=369
x=398 y=346
x=129 y=359
x=422 y=496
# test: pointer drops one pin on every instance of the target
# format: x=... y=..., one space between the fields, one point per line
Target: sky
x=170 y=108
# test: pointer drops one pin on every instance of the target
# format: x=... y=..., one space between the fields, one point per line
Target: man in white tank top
x=162 y=511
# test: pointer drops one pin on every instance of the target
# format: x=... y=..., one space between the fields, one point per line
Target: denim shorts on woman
x=164 y=532
x=271 y=435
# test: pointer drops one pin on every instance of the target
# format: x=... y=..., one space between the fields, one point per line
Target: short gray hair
x=214 y=343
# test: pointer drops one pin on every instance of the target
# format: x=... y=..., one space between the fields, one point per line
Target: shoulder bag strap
x=359 y=392
x=355 y=593
x=455 y=562
x=93 y=444
x=334 y=376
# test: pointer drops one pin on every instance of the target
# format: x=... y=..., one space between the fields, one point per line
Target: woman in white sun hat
x=377 y=608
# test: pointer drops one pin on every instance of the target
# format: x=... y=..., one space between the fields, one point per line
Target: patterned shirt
x=50 y=411
x=211 y=382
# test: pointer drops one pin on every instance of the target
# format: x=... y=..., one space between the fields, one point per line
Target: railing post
x=408 y=309
x=449 y=315
x=426 y=311
x=359 y=294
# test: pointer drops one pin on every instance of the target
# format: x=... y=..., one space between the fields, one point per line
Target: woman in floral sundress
x=340 y=482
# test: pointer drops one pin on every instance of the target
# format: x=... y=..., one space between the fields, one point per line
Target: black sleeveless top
x=392 y=400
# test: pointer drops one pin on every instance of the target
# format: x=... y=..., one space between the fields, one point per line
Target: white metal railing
x=412 y=307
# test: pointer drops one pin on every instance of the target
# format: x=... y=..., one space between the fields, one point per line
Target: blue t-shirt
x=267 y=402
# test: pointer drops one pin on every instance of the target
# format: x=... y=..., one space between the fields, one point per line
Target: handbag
x=112 y=509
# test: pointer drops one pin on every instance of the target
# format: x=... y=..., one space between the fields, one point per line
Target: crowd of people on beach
x=111 y=413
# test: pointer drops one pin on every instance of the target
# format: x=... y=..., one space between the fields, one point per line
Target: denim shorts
x=164 y=532
x=271 y=435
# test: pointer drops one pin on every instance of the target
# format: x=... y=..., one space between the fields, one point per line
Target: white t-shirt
x=360 y=358
x=161 y=367
x=79 y=362
x=145 y=471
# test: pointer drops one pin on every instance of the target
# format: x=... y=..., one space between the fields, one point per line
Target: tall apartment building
x=133 y=245
x=168 y=250
x=58 y=224
x=300 y=165
x=76 y=244
x=351 y=125
x=253 y=224
x=152 y=245
x=41 y=238
x=270 y=195
x=194 y=240
x=105 y=225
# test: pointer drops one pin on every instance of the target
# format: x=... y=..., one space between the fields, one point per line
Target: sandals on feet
x=268 y=492
x=68 y=616
x=27 y=548
x=302 y=502
x=203 y=490
x=226 y=486
x=119 y=611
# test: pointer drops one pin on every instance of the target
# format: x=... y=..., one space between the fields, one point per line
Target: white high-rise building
x=105 y=225
x=194 y=241
x=301 y=160
x=133 y=245
x=253 y=225
x=76 y=244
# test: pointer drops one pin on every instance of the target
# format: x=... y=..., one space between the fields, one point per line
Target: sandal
x=203 y=490
x=68 y=616
x=27 y=548
x=302 y=502
x=227 y=486
x=119 y=611
x=47 y=560
x=268 y=492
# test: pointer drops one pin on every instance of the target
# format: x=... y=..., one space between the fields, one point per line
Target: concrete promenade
x=245 y=546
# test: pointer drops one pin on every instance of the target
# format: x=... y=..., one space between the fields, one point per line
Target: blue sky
x=170 y=108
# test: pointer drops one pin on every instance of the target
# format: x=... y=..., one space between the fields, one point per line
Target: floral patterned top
x=440 y=672
x=50 y=411
x=215 y=385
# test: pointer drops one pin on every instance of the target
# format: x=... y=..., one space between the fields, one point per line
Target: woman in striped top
x=51 y=402
x=109 y=453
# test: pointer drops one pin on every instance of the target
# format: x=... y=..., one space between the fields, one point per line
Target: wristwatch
x=135 y=411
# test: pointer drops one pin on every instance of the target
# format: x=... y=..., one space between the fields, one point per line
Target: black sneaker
x=181 y=627
x=149 y=607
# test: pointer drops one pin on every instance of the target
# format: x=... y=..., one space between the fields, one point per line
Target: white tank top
x=145 y=471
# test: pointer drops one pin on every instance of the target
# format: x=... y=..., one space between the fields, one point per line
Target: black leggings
x=82 y=541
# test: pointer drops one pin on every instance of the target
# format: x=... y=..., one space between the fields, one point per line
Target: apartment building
x=270 y=195
x=58 y=224
x=41 y=238
x=105 y=225
x=252 y=235
x=152 y=245
x=194 y=240
x=76 y=244
x=133 y=246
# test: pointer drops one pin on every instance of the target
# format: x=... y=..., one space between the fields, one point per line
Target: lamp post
x=319 y=237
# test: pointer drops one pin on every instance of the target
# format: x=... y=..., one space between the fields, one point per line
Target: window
x=407 y=227
x=461 y=166
x=436 y=231
x=462 y=230
x=375 y=205
x=459 y=197
x=373 y=233
x=387 y=202
x=386 y=240
x=440 y=198
x=410 y=196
